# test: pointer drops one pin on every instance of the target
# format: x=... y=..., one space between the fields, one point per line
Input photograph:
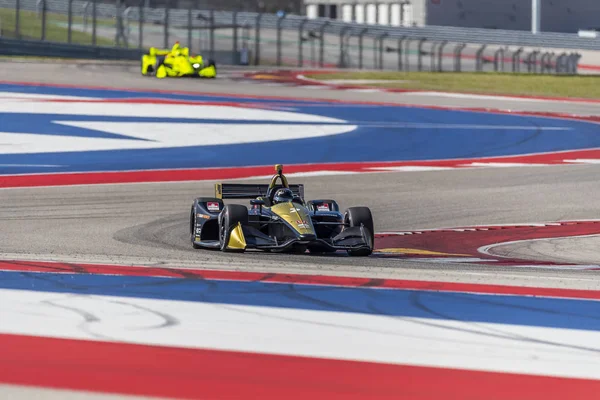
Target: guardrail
x=283 y=40
x=15 y=47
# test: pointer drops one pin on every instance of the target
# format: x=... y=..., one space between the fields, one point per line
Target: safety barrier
x=14 y=47
x=271 y=38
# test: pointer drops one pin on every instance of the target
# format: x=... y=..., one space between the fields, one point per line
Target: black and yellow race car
x=279 y=220
x=176 y=62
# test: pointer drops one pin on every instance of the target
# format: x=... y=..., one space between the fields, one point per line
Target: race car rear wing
x=250 y=191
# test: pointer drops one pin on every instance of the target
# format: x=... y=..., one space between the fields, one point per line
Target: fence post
x=375 y=43
x=94 y=15
x=360 y=47
x=407 y=55
x=549 y=62
x=189 y=29
x=245 y=52
x=543 y=62
x=43 y=34
x=301 y=42
x=141 y=25
x=499 y=58
x=322 y=43
x=166 y=27
x=575 y=63
x=18 y=19
x=568 y=61
x=69 y=21
x=516 y=60
x=279 y=23
x=458 y=57
x=400 y=43
x=532 y=61
x=86 y=17
x=381 y=39
x=433 y=55
x=440 y=67
x=120 y=25
x=235 y=32
x=479 y=58
x=420 y=55
x=257 y=39
x=342 y=63
x=558 y=65
x=211 y=16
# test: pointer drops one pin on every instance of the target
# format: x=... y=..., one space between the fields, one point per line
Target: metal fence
x=289 y=40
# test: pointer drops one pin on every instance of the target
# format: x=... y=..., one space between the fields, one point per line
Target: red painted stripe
x=207 y=374
x=324 y=280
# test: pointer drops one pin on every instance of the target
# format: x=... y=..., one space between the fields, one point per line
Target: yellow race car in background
x=176 y=62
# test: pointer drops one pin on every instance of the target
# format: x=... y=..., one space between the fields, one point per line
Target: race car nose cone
x=307 y=236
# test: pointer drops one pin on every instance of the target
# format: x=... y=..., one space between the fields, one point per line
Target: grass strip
x=582 y=86
x=30 y=27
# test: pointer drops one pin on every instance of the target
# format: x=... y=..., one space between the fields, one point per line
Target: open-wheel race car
x=176 y=62
x=278 y=220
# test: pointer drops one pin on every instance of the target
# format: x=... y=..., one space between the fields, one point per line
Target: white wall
x=346 y=13
x=360 y=13
x=407 y=14
x=312 y=11
x=383 y=14
x=371 y=14
x=401 y=12
x=396 y=11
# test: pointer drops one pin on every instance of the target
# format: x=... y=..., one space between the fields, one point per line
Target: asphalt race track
x=514 y=224
x=145 y=223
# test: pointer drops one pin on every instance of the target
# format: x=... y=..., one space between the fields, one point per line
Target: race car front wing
x=352 y=238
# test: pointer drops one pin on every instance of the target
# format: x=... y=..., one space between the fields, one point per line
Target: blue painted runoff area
x=484 y=308
x=382 y=133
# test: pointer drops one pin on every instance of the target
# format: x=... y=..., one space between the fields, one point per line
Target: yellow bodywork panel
x=208 y=72
x=296 y=216
x=237 y=241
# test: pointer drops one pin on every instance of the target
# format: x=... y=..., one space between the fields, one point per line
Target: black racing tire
x=229 y=217
x=193 y=228
x=357 y=216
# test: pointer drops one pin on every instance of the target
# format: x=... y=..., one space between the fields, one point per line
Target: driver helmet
x=283 y=195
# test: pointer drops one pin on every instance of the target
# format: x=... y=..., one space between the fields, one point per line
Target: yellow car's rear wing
x=250 y=191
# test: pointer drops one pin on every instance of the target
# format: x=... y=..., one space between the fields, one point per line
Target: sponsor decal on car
x=323 y=207
x=213 y=206
x=204 y=216
x=302 y=224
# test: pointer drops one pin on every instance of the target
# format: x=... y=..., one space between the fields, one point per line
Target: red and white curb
x=474 y=244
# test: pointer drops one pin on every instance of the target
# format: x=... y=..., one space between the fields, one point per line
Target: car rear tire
x=357 y=216
x=231 y=215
